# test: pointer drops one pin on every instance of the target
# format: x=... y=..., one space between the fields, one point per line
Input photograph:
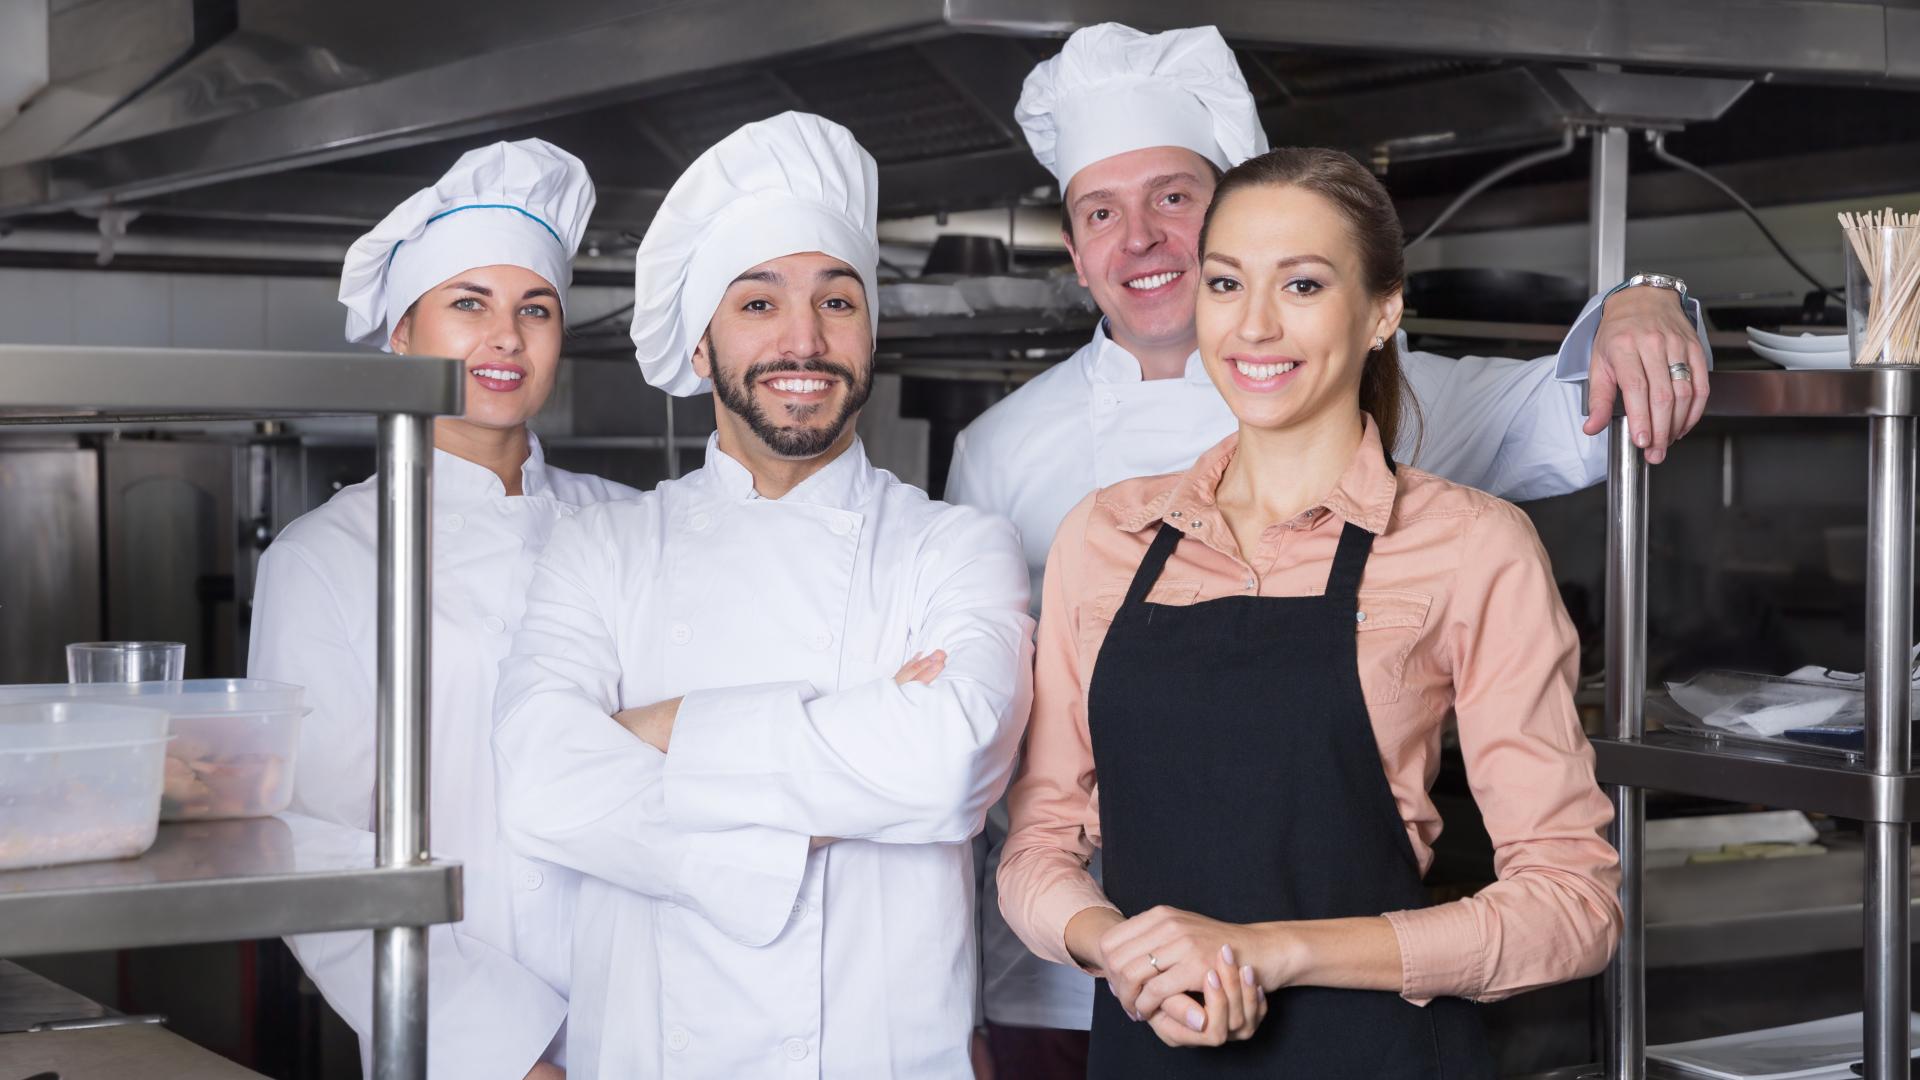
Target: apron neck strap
x=1349 y=562
x=1164 y=542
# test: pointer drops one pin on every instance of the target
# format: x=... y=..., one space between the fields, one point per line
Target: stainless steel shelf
x=1860 y=392
x=49 y=382
x=216 y=881
x=1692 y=765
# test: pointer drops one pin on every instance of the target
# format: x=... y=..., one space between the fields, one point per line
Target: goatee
x=789 y=442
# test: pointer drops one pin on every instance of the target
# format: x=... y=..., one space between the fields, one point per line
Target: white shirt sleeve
x=878 y=761
x=488 y=1014
x=579 y=790
x=1510 y=427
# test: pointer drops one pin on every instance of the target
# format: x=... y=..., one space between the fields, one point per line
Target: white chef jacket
x=710 y=940
x=498 y=979
x=1509 y=427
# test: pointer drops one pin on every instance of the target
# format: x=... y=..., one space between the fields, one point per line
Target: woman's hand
x=923 y=668
x=1236 y=1004
x=1164 y=953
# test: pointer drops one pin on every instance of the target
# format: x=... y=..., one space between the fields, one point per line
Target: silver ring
x=1152 y=962
x=1680 y=372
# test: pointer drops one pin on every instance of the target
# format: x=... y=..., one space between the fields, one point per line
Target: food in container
x=79 y=781
x=233 y=750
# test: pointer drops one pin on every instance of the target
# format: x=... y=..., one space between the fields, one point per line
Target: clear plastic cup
x=126 y=661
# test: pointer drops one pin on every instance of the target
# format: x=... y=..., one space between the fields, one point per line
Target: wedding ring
x=1680 y=372
x=1152 y=962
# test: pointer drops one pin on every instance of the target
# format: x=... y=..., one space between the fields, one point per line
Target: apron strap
x=1349 y=561
x=1150 y=566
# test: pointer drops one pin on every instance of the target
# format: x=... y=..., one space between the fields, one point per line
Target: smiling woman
x=475 y=268
x=1314 y=613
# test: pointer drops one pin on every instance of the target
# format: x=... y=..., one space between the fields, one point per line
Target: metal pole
x=400 y=789
x=1890 y=504
x=673 y=443
x=1626 y=644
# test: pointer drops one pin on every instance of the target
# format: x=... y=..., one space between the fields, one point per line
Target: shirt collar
x=1364 y=493
x=842 y=483
x=1107 y=362
x=457 y=478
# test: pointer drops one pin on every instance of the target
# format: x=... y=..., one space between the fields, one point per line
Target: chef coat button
x=1359 y=616
x=840 y=526
x=796 y=1049
x=453 y=522
x=821 y=641
x=682 y=633
x=494 y=624
x=677 y=1039
x=1108 y=401
x=532 y=879
x=699 y=521
x=799 y=906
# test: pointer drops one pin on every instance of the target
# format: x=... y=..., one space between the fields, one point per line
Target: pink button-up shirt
x=1461 y=620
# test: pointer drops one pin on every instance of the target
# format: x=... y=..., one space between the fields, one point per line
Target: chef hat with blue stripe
x=523 y=203
x=1113 y=89
x=791 y=184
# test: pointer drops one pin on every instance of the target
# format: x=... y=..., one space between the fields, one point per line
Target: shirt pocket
x=1099 y=615
x=1389 y=623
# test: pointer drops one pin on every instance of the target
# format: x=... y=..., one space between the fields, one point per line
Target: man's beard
x=789 y=442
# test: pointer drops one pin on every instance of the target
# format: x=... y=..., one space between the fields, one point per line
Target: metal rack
x=1885 y=793
x=237 y=880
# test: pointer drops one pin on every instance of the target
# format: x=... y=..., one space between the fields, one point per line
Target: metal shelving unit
x=240 y=880
x=1883 y=791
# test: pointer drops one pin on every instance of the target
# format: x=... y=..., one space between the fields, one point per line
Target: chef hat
x=523 y=203
x=791 y=184
x=1113 y=89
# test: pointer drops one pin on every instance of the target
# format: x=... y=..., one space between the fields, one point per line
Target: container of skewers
x=1883 y=287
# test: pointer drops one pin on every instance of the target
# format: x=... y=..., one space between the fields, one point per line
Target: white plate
x=1801 y=343
x=1804 y=361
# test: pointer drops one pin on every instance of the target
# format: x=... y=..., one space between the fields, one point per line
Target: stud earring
x=1378 y=344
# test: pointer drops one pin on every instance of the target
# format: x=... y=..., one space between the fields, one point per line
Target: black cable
x=1660 y=151
x=624 y=309
x=1494 y=177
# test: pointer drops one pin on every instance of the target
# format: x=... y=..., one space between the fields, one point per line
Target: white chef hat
x=523 y=203
x=1113 y=89
x=790 y=184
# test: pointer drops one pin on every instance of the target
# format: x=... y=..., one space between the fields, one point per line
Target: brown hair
x=1375 y=227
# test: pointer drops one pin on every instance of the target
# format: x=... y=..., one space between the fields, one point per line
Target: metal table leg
x=400 y=792
x=1889 y=632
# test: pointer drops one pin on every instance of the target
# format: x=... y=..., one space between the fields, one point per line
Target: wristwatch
x=1655 y=281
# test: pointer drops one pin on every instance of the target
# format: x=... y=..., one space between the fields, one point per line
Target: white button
x=796 y=1049
x=799 y=906
x=821 y=641
x=1359 y=616
x=1251 y=583
x=1108 y=401
x=677 y=1039
x=453 y=522
x=698 y=522
x=840 y=526
x=532 y=879
x=682 y=633
x=494 y=624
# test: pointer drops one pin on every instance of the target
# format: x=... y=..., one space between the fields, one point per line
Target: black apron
x=1255 y=703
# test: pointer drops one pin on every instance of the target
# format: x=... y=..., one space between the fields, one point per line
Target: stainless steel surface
x=1890 y=508
x=1626 y=666
x=587 y=57
x=171 y=542
x=215 y=881
x=50 y=544
x=146 y=1051
x=1640 y=99
x=1859 y=392
x=1670 y=761
x=400 y=793
x=93 y=383
x=1791 y=37
x=1607 y=209
x=28 y=1000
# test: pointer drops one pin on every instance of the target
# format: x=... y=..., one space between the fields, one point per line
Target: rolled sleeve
x=1553 y=914
x=1576 y=350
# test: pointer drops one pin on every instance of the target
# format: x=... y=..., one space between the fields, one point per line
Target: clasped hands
x=1157 y=962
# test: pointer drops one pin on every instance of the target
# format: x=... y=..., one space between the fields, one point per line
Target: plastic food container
x=234 y=740
x=78 y=781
